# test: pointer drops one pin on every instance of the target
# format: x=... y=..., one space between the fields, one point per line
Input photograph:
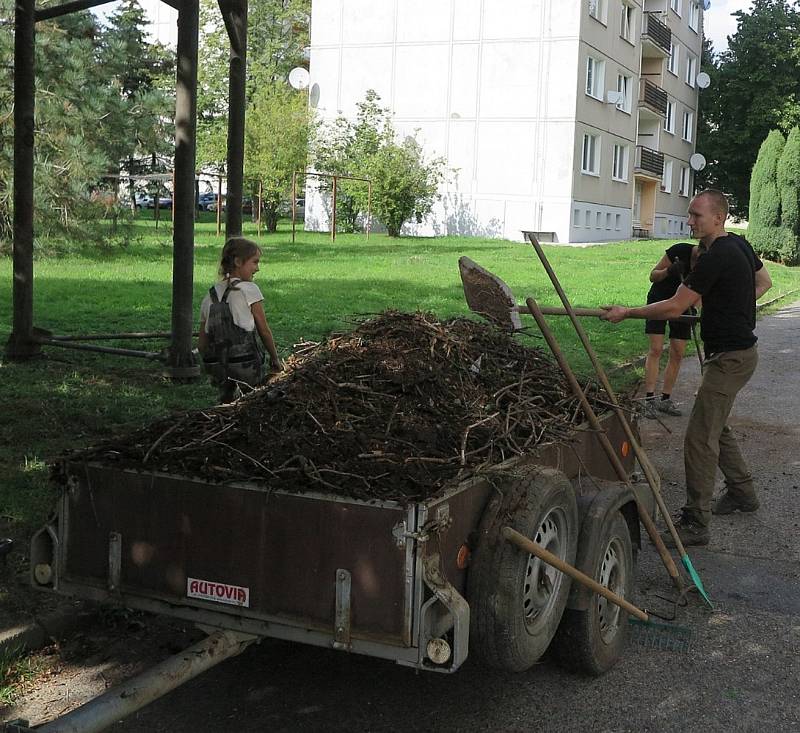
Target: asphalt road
x=741 y=673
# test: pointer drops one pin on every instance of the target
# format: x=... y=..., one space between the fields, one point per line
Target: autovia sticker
x=208 y=590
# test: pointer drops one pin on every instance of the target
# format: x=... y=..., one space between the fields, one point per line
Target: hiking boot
x=649 y=409
x=727 y=504
x=690 y=532
x=668 y=407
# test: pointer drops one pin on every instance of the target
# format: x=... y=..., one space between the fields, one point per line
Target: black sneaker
x=668 y=407
x=727 y=504
x=649 y=409
x=690 y=532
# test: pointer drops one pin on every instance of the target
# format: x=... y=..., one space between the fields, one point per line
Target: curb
x=39 y=632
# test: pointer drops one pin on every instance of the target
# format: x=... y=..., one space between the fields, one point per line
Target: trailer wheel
x=516 y=601
x=592 y=641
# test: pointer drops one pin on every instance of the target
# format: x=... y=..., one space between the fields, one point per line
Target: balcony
x=652 y=99
x=656 y=37
x=648 y=162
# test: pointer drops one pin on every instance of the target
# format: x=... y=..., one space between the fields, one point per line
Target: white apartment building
x=573 y=118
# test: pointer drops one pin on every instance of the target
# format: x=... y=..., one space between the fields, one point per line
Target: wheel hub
x=542 y=581
x=612 y=576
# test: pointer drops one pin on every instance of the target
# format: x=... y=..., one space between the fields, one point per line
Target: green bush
x=788 y=177
x=778 y=244
x=764 y=199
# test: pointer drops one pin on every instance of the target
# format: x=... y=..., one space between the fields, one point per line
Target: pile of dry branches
x=394 y=409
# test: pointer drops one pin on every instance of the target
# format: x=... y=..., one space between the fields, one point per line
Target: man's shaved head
x=717 y=200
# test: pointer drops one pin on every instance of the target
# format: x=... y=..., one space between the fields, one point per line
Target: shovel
x=488 y=296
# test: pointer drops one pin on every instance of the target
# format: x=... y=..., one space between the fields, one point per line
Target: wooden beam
x=57 y=11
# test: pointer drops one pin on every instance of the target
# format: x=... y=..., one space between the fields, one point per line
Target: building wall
x=496 y=98
x=671 y=204
x=499 y=90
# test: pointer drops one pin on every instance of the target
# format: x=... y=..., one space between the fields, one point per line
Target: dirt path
x=740 y=675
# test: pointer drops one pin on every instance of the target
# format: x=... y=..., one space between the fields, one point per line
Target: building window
x=684 y=184
x=674 y=58
x=618 y=222
x=598 y=222
x=595 y=73
x=619 y=170
x=587 y=218
x=608 y=222
x=625 y=87
x=666 y=177
x=694 y=15
x=598 y=10
x=626 y=24
x=691 y=70
x=675 y=5
x=590 y=157
x=688 y=126
x=669 y=117
x=576 y=217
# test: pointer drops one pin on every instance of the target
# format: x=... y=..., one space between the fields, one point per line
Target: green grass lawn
x=70 y=398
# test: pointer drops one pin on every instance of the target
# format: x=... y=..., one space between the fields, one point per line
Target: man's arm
x=663 y=310
x=763 y=282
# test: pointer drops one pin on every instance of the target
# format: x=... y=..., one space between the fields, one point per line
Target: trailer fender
x=593 y=511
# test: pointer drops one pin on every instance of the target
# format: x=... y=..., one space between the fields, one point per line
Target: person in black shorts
x=665 y=277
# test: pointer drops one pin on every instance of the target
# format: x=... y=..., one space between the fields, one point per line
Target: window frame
x=602 y=11
x=666 y=180
x=687 y=129
x=621 y=156
x=674 y=60
x=595 y=148
x=669 y=117
x=691 y=70
x=683 y=183
x=598 y=78
x=694 y=16
x=627 y=22
x=626 y=103
x=675 y=6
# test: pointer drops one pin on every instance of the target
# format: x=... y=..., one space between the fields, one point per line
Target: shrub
x=764 y=199
x=788 y=178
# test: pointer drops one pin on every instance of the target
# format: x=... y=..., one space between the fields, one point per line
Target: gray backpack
x=227 y=342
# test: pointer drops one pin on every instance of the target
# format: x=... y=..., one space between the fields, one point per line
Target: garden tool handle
x=526 y=545
x=566 y=370
x=594 y=312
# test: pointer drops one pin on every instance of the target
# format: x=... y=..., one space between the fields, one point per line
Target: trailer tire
x=516 y=601
x=592 y=641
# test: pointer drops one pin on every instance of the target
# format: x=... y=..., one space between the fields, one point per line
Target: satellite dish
x=697 y=162
x=614 y=97
x=703 y=80
x=299 y=78
x=313 y=95
x=706 y=4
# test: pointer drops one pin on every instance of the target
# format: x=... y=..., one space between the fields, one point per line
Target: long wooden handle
x=594 y=312
x=613 y=458
x=526 y=545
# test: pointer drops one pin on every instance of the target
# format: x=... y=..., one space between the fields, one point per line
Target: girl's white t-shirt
x=242 y=295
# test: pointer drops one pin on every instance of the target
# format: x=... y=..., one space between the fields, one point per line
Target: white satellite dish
x=697 y=162
x=706 y=4
x=614 y=97
x=703 y=80
x=299 y=78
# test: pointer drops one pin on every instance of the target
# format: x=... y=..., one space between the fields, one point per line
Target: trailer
x=420 y=584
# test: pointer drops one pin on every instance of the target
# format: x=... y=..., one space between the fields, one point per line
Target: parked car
x=143 y=201
x=207 y=201
x=164 y=202
x=299 y=208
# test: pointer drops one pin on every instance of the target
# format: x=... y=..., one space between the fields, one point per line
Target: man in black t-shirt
x=729 y=278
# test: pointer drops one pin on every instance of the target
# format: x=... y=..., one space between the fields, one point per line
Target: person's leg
x=652 y=362
x=677 y=348
x=705 y=447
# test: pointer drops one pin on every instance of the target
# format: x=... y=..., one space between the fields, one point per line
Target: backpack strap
x=212 y=291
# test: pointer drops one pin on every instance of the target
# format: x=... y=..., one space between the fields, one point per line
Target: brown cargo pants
x=709 y=442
